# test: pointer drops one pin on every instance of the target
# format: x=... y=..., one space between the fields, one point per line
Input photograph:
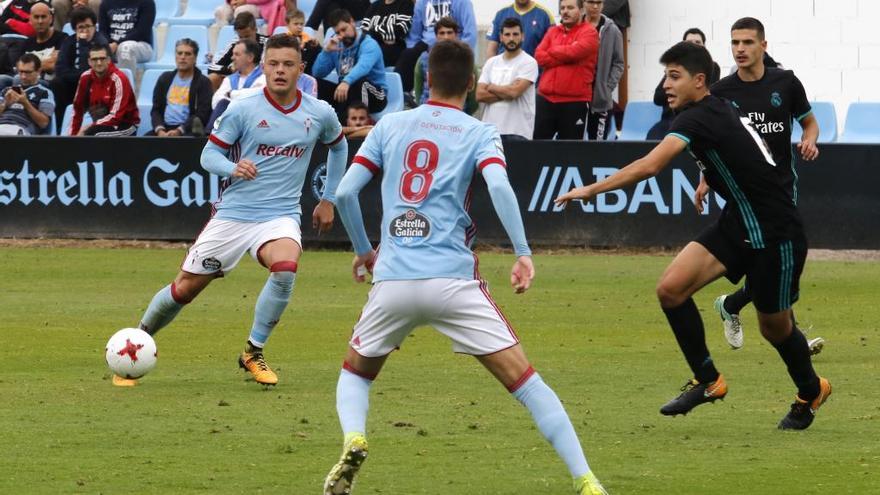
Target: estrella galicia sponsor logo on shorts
x=212 y=264
x=776 y=99
x=410 y=226
x=319 y=180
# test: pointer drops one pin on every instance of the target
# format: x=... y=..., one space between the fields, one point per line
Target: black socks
x=687 y=325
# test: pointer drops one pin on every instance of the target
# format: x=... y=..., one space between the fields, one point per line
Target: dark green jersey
x=739 y=166
x=772 y=103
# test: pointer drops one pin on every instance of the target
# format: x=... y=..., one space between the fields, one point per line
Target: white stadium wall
x=832 y=45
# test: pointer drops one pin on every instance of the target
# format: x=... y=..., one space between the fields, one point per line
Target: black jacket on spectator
x=73 y=57
x=73 y=60
x=322 y=9
x=127 y=20
x=389 y=24
x=200 y=92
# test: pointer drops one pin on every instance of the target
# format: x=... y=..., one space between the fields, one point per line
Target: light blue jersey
x=428 y=157
x=280 y=143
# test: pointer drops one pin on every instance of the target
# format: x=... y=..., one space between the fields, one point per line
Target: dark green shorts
x=772 y=273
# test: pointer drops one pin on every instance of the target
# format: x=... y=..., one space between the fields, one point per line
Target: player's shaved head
x=450 y=67
x=694 y=58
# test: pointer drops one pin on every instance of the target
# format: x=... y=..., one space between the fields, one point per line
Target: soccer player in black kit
x=772 y=98
x=758 y=235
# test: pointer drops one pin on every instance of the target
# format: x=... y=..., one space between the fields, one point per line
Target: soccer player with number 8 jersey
x=759 y=234
x=426 y=273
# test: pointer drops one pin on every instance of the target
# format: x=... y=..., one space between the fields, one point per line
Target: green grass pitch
x=438 y=423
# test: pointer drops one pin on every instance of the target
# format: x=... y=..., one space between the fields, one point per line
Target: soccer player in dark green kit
x=772 y=98
x=759 y=234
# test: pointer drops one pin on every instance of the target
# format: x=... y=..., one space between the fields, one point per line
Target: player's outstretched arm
x=350 y=208
x=637 y=171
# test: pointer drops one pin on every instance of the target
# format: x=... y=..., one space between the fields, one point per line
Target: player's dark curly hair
x=450 y=65
x=694 y=58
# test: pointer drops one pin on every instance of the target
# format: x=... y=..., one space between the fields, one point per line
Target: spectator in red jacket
x=15 y=17
x=567 y=54
x=105 y=93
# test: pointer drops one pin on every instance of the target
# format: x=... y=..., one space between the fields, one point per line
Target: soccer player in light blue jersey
x=261 y=146
x=426 y=272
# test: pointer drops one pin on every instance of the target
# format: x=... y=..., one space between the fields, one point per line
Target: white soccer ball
x=131 y=353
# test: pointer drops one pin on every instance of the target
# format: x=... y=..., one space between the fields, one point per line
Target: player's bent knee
x=669 y=295
x=180 y=293
x=283 y=274
x=775 y=328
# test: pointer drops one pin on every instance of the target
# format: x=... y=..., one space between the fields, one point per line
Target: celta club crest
x=308 y=125
x=775 y=99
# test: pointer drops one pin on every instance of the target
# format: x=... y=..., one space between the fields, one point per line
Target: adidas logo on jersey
x=263 y=124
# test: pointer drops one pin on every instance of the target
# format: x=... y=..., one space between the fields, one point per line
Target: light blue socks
x=272 y=301
x=553 y=423
x=162 y=309
x=352 y=402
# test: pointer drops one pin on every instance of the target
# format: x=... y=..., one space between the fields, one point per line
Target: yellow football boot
x=341 y=478
x=254 y=364
x=588 y=484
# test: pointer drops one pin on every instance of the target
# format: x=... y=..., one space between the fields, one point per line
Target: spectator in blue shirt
x=182 y=97
x=535 y=19
x=357 y=59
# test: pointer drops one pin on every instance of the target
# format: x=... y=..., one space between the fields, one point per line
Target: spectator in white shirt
x=507 y=85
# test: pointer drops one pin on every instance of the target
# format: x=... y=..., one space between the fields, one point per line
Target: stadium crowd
x=96 y=70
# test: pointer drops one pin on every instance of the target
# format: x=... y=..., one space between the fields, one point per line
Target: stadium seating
x=395 y=96
x=827 y=118
x=638 y=118
x=280 y=30
x=130 y=76
x=199 y=34
x=224 y=38
x=306 y=6
x=146 y=124
x=862 y=123
x=52 y=130
x=68 y=117
x=148 y=82
x=166 y=9
x=67 y=29
x=198 y=12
